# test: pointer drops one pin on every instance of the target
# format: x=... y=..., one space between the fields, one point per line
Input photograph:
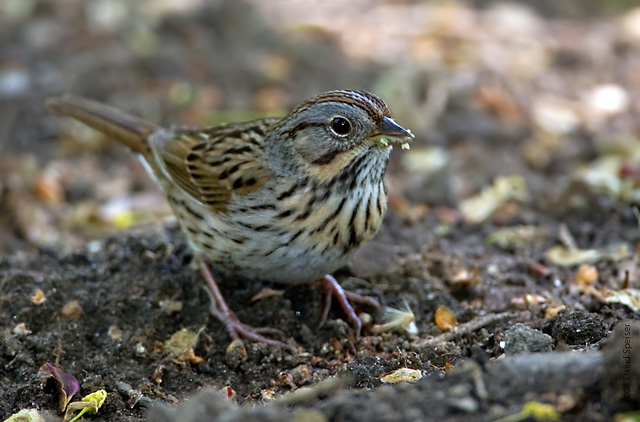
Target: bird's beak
x=391 y=132
x=391 y=129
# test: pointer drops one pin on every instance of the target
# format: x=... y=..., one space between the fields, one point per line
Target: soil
x=535 y=300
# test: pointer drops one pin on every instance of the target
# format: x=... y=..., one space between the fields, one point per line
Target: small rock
x=14 y=83
x=521 y=338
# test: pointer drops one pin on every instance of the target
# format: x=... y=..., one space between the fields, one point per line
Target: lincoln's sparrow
x=287 y=199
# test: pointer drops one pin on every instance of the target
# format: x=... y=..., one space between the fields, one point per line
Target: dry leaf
x=181 y=342
x=401 y=375
x=21 y=330
x=445 y=318
x=555 y=115
x=523 y=236
x=115 y=333
x=67 y=384
x=38 y=297
x=587 y=274
x=170 y=306
x=504 y=189
x=72 y=310
x=628 y=297
x=553 y=311
x=465 y=277
x=48 y=190
x=567 y=257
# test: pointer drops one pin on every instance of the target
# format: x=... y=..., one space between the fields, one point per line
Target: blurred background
x=545 y=93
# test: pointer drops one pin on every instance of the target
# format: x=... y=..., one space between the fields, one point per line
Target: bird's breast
x=290 y=231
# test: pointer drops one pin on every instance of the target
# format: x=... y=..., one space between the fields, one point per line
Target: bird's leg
x=225 y=315
x=333 y=289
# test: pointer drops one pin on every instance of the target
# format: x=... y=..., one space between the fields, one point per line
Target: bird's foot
x=235 y=327
x=333 y=289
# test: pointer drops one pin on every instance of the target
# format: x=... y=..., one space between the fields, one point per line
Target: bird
x=279 y=199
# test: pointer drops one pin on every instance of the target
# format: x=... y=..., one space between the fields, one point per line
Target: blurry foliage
x=490 y=88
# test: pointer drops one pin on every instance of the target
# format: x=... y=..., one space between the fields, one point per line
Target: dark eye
x=340 y=126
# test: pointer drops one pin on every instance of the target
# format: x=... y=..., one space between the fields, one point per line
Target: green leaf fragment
x=89 y=403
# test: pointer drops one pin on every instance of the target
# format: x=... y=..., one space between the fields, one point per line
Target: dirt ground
x=512 y=237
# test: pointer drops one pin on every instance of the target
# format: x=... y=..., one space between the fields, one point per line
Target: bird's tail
x=129 y=130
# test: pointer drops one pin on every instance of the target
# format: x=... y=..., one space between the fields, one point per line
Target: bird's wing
x=213 y=164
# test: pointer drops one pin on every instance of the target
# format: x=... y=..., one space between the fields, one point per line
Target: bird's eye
x=340 y=126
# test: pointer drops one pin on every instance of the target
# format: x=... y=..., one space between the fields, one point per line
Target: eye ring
x=341 y=126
